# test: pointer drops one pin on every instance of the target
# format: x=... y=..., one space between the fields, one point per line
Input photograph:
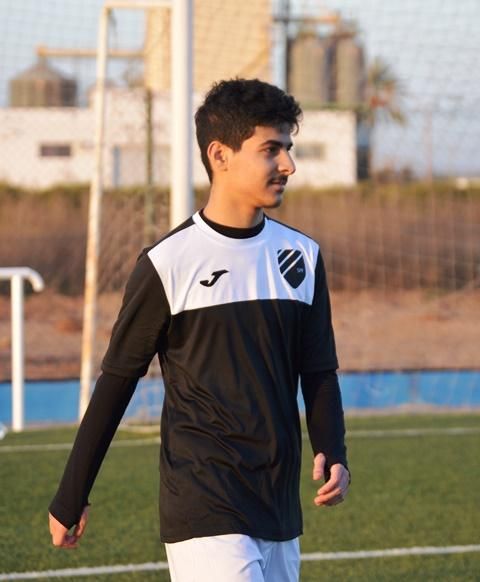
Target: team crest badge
x=292 y=266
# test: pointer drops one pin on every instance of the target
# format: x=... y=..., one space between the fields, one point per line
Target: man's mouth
x=279 y=181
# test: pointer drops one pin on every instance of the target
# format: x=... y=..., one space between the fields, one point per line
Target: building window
x=310 y=151
x=55 y=150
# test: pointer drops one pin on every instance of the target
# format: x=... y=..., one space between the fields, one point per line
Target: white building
x=46 y=146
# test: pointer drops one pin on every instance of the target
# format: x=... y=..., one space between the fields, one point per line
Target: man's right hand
x=60 y=536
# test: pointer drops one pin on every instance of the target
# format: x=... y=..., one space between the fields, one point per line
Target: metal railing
x=17 y=277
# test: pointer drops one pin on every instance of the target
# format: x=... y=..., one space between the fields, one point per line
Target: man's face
x=258 y=172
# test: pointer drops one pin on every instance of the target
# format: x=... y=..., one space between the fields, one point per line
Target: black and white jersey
x=234 y=321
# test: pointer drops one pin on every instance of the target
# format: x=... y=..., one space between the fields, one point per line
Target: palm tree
x=383 y=93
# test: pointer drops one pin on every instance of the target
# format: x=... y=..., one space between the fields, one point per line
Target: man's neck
x=231 y=231
x=221 y=210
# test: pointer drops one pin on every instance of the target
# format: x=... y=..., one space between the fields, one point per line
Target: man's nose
x=286 y=164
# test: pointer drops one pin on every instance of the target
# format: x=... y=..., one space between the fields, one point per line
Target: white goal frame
x=181 y=197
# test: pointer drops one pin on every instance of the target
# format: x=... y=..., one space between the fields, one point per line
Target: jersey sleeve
x=141 y=323
x=324 y=416
x=318 y=350
x=105 y=410
x=136 y=337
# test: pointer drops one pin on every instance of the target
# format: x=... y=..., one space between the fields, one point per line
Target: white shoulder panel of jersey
x=201 y=268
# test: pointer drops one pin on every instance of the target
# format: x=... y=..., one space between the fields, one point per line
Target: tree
x=383 y=94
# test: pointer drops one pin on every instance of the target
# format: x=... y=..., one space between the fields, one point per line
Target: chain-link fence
x=386 y=161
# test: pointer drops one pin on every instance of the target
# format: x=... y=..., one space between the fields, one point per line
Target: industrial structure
x=327 y=70
x=42 y=86
x=47 y=139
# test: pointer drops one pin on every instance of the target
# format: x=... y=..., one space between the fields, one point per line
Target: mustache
x=279 y=180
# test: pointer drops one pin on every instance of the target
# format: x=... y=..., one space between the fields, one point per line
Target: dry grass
x=374 y=330
x=383 y=238
x=403 y=267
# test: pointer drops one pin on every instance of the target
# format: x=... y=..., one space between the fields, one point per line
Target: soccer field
x=415 y=483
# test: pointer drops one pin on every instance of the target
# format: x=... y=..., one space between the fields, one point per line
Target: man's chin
x=275 y=201
x=278 y=201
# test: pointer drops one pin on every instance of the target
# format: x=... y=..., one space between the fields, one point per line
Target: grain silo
x=349 y=72
x=42 y=86
x=310 y=63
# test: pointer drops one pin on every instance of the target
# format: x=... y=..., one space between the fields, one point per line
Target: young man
x=236 y=306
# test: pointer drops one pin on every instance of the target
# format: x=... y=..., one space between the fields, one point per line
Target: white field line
x=388 y=433
x=413 y=432
x=313 y=557
x=391 y=553
x=93 y=571
x=68 y=446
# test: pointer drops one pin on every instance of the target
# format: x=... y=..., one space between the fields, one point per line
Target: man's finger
x=326 y=498
x=70 y=542
x=335 y=489
x=57 y=530
x=60 y=536
x=328 y=487
x=82 y=524
x=67 y=541
x=330 y=502
x=318 y=466
x=332 y=497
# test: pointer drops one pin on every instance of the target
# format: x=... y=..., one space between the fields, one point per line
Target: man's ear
x=218 y=156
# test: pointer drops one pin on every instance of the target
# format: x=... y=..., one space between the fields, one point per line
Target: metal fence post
x=17 y=276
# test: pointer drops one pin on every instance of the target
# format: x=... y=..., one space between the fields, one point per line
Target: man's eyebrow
x=277 y=143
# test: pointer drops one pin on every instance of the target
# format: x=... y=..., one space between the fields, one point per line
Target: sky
x=431 y=45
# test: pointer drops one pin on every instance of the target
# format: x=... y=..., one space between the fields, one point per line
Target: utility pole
x=149 y=207
x=428 y=138
x=280 y=48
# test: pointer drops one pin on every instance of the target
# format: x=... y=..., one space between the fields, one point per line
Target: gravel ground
x=374 y=330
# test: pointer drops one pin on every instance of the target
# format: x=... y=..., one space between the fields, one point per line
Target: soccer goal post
x=181 y=198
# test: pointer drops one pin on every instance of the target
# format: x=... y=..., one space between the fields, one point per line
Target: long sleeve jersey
x=236 y=317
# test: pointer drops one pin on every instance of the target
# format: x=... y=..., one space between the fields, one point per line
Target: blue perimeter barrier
x=57 y=401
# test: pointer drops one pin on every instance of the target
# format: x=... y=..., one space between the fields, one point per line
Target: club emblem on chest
x=292 y=266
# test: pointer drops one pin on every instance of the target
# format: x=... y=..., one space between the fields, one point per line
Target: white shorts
x=233 y=558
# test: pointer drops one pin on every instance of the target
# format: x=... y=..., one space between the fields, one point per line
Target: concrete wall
x=22 y=133
x=325 y=148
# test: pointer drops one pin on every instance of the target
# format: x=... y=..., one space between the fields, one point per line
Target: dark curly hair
x=232 y=109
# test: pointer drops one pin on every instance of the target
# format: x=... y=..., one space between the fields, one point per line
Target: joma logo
x=215 y=277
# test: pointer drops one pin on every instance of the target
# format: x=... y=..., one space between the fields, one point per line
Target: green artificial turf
x=406 y=491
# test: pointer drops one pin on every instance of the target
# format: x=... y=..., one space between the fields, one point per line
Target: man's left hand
x=335 y=489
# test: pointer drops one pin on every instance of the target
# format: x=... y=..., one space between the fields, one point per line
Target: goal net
x=387 y=168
